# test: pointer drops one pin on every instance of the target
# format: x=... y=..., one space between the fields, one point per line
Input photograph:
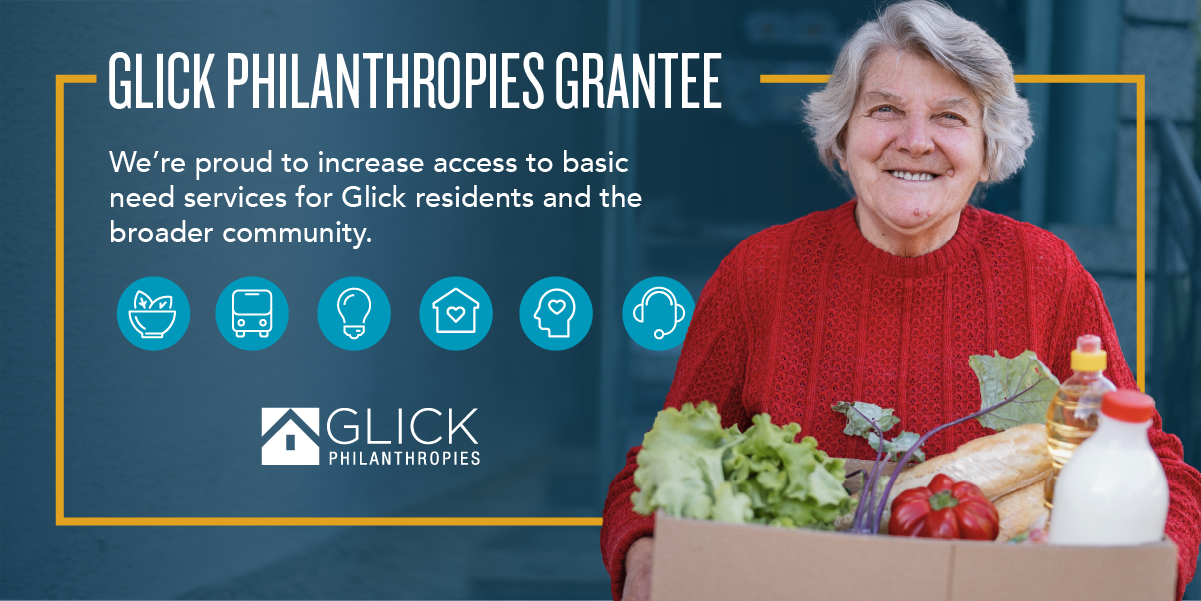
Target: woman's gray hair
x=960 y=46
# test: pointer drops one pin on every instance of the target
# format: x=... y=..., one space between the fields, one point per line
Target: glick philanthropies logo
x=290 y=435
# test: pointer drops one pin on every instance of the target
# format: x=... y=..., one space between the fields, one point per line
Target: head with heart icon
x=554 y=313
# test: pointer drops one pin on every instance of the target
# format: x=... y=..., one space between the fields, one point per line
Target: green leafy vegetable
x=789 y=483
x=690 y=467
x=895 y=447
x=1023 y=376
x=680 y=466
x=857 y=421
x=858 y=424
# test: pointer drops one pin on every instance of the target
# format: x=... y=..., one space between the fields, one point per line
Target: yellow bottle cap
x=1094 y=361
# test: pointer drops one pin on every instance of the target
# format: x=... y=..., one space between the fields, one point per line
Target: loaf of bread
x=1021 y=509
x=999 y=464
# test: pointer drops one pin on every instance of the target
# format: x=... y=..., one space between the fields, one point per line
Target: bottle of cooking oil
x=1073 y=414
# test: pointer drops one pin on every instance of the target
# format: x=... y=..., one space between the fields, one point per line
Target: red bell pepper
x=944 y=509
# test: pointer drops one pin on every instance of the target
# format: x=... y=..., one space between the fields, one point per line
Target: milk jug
x=1113 y=490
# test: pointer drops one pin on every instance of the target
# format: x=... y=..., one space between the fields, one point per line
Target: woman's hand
x=638 y=570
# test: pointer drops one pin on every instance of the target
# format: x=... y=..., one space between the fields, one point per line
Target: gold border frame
x=61 y=519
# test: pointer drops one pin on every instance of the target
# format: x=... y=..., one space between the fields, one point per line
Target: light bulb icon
x=354 y=306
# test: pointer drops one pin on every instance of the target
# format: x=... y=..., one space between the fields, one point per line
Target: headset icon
x=640 y=310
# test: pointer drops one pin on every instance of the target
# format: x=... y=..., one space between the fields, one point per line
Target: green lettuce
x=690 y=467
x=680 y=466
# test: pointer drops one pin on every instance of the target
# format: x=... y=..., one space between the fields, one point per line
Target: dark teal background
x=177 y=432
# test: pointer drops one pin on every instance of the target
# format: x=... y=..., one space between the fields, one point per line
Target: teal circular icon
x=556 y=313
x=153 y=313
x=354 y=313
x=455 y=313
x=252 y=313
x=657 y=312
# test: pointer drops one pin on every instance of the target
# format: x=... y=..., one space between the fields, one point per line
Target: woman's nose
x=915 y=137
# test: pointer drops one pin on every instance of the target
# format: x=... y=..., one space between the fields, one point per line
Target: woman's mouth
x=913 y=176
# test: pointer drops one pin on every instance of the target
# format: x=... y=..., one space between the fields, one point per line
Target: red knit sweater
x=806 y=314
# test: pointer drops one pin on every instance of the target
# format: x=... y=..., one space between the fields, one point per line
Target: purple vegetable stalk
x=867 y=495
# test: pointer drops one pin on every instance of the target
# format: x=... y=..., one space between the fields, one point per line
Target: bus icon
x=252 y=312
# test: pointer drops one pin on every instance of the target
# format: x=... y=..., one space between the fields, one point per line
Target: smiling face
x=914 y=152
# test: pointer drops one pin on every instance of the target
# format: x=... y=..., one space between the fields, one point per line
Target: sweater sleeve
x=711 y=368
x=1083 y=311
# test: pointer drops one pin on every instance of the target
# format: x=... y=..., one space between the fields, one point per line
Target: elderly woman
x=883 y=299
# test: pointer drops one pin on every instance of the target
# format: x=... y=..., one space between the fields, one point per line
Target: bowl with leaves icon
x=151 y=317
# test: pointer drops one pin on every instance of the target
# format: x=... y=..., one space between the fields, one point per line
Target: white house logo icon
x=290 y=435
x=455 y=313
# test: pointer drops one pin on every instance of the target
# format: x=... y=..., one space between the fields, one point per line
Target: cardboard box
x=697 y=560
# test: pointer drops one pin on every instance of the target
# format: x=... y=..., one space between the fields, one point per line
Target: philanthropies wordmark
x=292 y=436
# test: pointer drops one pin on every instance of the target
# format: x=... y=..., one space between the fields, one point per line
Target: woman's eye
x=883 y=109
x=953 y=117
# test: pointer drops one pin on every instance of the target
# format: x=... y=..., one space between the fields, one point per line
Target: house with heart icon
x=455 y=313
